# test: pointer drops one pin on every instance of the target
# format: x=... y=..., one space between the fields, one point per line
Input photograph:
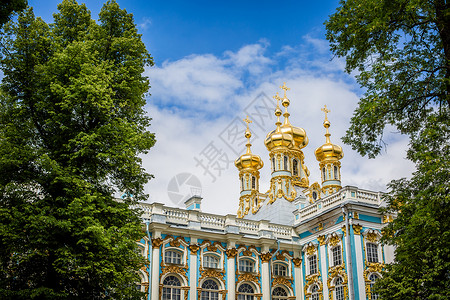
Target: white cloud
x=216 y=86
x=144 y=24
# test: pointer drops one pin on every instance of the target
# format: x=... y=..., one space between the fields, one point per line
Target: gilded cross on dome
x=285 y=88
x=277 y=97
x=247 y=120
x=326 y=111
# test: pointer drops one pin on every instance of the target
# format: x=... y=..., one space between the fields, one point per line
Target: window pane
x=337 y=257
x=372 y=252
x=312 y=265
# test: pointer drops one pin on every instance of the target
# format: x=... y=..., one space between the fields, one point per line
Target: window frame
x=311 y=266
x=206 y=256
x=280 y=297
x=167 y=291
x=372 y=280
x=209 y=294
x=244 y=295
x=275 y=269
x=372 y=254
x=244 y=268
x=336 y=250
x=339 y=287
x=167 y=257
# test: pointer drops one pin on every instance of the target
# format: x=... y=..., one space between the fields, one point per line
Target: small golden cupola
x=328 y=156
x=248 y=165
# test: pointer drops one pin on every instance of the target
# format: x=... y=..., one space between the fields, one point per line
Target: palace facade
x=296 y=241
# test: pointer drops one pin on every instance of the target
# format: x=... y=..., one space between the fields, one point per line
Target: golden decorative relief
x=372 y=237
x=320 y=226
x=387 y=219
x=180 y=270
x=265 y=257
x=310 y=250
x=297 y=262
x=248 y=277
x=214 y=273
x=194 y=249
x=231 y=252
x=355 y=215
x=336 y=271
x=321 y=239
x=156 y=243
x=344 y=230
x=280 y=256
x=357 y=229
x=334 y=240
x=282 y=280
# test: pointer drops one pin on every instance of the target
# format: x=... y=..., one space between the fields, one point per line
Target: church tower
x=287 y=159
x=328 y=156
x=248 y=165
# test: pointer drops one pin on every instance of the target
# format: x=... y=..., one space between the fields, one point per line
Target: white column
x=156 y=243
x=231 y=274
x=265 y=278
x=298 y=282
x=323 y=266
x=193 y=270
x=359 y=266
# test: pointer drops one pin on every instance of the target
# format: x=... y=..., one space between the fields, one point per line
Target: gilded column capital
x=231 y=253
x=156 y=243
x=357 y=229
x=321 y=239
x=297 y=262
x=265 y=257
x=194 y=248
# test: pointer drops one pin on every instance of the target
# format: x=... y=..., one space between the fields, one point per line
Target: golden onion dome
x=277 y=138
x=328 y=151
x=248 y=160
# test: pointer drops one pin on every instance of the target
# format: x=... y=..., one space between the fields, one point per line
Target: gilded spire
x=328 y=150
x=248 y=134
x=277 y=111
x=285 y=103
x=326 y=124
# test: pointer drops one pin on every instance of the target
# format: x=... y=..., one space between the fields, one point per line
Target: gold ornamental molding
x=311 y=250
x=297 y=262
x=372 y=237
x=334 y=240
x=282 y=281
x=176 y=269
x=156 y=243
x=185 y=291
x=248 y=277
x=214 y=273
x=231 y=252
x=265 y=257
x=194 y=248
x=357 y=229
x=321 y=239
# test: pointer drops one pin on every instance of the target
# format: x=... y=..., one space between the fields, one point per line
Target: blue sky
x=217 y=62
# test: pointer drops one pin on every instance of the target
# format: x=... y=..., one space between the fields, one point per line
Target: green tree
x=7 y=7
x=72 y=126
x=400 y=50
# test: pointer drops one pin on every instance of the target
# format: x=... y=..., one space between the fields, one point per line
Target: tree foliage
x=72 y=126
x=7 y=7
x=401 y=51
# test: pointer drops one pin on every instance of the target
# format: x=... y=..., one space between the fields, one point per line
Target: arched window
x=373 y=278
x=324 y=174
x=210 y=290
x=285 y=163
x=246 y=292
x=279 y=269
x=246 y=265
x=172 y=257
x=339 y=289
x=253 y=182
x=336 y=173
x=279 y=293
x=315 y=292
x=242 y=183
x=312 y=260
x=210 y=261
x=337 y=256
x=295 y=167
x=372 y=252
x=273 y=163
x=171 y=288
